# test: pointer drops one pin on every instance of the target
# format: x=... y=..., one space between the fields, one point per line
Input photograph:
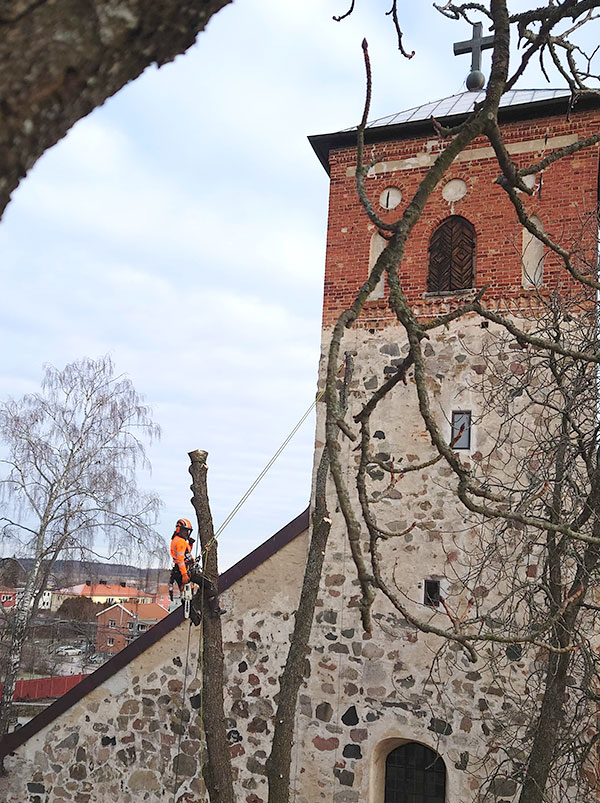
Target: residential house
x=161 y=597
x=123 y=622
x=102 y=592
x=8 y=596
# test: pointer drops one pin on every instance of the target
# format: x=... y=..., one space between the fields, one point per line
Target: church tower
x=402 y=715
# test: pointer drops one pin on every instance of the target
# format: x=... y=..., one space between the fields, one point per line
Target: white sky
x=181 y=227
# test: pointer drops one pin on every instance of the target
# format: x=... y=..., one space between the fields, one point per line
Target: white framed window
x=378 y=244
x=461 y=429
x=111 y=642
x=112 y=623
x=533 y=254
x=110 y=599
x=130 y=625
x=141 y=628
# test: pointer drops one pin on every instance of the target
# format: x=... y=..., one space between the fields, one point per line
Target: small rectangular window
x=130 y=625
x=461 y=429
x=431 y=594
x=111 y=642
x=112 y=623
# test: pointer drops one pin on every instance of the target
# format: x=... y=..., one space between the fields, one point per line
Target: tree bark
x=542 y=756
x=543 y=751
x=217 y=767
x=280 y=758
x=278 y=763
x=60 y=60
x=21 y=614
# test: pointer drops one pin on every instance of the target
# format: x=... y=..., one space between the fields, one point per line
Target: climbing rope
x=187 y=604
x=266 y=468
x=183 y=693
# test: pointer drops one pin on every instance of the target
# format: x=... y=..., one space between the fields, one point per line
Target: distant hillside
x=70 y=572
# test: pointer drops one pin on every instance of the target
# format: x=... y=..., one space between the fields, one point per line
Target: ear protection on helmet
x=183 y=524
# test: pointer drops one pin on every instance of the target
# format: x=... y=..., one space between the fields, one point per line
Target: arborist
x=185 y=569
x=179 y=551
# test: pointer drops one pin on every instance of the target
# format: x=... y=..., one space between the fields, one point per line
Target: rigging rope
x=266 y=468
x=183 y=693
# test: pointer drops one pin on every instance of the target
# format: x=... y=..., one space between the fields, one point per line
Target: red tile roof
x=103 y=590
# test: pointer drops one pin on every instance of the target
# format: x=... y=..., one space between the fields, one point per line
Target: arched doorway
x=414 y=774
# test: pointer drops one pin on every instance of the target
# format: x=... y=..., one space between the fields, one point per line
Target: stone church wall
x=138 y=735
x=369 y=693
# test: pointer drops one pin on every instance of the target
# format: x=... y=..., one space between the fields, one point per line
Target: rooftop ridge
x=515 y=104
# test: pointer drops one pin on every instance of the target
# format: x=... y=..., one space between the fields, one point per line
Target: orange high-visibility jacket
x=179 y=548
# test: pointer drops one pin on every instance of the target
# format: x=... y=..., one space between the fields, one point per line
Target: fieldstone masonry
x=138 y=737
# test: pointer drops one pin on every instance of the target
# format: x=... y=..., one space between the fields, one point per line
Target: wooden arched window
x=414 y=774
x=451 y=256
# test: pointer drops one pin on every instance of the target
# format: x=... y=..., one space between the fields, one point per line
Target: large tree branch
x=60 y=60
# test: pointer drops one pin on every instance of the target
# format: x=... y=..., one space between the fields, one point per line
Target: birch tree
x=71 y=455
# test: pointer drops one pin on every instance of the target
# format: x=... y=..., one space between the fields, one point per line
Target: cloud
x=181 y=227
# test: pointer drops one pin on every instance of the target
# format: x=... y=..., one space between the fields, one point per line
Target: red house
x=162 y=595
x=123 y=622
x=7 y=596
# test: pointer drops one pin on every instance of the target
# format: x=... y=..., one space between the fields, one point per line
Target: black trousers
x=176 y=577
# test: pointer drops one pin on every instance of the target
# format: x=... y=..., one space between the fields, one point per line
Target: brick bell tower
x=370 y=712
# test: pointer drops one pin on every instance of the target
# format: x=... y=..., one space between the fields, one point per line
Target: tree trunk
x=19 y=630
x=217 y=767
x=280 y=758
x=543 y=751
x=60 y=60
x=279 y=761
x=542 y=754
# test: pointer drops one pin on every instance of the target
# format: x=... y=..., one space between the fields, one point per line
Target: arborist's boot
x=215 y=610
x=195 y=616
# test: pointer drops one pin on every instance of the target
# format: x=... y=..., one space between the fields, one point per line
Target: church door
x=414 y=774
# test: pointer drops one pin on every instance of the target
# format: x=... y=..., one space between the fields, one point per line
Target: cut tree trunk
x=217 y=772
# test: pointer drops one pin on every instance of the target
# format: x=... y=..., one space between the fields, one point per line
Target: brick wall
x=568 y=194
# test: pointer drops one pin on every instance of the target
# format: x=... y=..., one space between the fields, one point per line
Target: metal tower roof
x=515 y=104
x=463 y=103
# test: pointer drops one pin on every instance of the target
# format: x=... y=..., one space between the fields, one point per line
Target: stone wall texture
x=138 y=737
